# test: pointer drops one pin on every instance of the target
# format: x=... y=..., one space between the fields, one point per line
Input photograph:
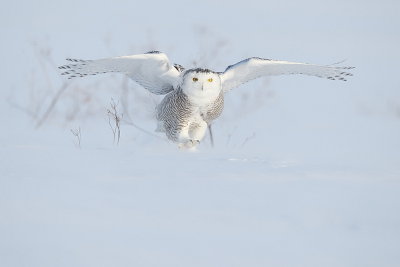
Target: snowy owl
x=193 y=97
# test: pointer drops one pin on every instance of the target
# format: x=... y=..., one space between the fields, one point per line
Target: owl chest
x=210 y=111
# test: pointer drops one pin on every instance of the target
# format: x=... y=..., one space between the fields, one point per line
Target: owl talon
x=190 y=144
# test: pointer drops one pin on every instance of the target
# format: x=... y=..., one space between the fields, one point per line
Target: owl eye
x=195 y=79
x=210 y=80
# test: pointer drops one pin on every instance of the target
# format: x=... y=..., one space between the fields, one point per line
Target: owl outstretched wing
x=151 y=70
x=254 y=67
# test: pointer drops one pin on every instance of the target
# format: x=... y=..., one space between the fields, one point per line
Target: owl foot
x=189 y=145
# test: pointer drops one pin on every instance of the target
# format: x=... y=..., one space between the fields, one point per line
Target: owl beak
x=202 y=87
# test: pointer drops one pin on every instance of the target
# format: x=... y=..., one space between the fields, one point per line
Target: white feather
x=253 y=68
x=151 y=70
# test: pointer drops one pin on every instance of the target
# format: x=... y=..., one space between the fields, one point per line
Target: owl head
x=201 y=83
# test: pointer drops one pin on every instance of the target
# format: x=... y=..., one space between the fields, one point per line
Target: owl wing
x=254 y=67
x=151 y=70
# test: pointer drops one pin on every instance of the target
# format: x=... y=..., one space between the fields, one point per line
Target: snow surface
x=304 y=172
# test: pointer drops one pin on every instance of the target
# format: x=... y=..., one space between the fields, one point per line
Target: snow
x=304 y=172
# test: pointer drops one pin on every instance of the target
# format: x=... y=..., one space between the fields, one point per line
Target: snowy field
x=304 y=171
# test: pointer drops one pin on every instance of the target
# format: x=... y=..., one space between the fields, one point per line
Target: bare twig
x=144 y=130
x=23 y=109
x=52 y=104
x=248 y=138
x=77 y=133
x=114 y=120
x=211 y=135
x=230 y=134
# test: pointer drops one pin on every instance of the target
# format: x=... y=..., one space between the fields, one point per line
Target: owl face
x=201 y=83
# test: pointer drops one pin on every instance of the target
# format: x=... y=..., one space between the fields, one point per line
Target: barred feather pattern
x=174 y=111
x=177 y=112
x=255 y=67
x=213 y=110
x=152 y=70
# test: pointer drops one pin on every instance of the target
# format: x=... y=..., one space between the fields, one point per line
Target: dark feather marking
x=246 y=60
x=198 y=70
x=153 y=52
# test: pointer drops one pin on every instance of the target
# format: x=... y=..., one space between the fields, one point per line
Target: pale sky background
x=316 y=183
x=364 y=33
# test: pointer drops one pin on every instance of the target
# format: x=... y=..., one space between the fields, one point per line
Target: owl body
x=194 y=97
x=185 y=113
